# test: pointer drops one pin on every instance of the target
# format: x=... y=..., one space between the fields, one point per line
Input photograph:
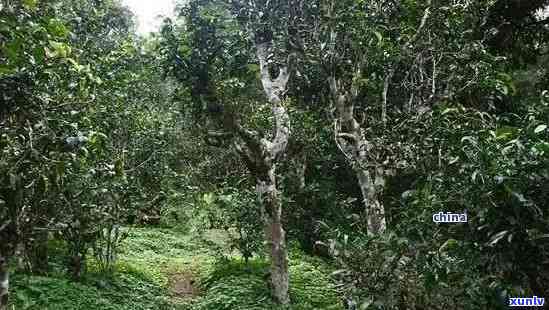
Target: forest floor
x=169 y=269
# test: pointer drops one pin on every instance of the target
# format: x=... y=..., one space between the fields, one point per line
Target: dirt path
x=183 y=285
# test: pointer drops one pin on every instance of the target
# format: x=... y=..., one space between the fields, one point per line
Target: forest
x=274 y=154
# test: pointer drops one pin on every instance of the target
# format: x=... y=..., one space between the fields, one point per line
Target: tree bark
x=76 y=266
x=264 y=170
x=301 y=168
x=352 y=142
x=371 y=189
x=386 y=83
x=4 y=282
x=274 y=232
x=261 y=156
x=274 y=90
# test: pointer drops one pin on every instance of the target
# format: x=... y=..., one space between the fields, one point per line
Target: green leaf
x=57 y=28
x=338 y=272
x=379 y=37
x=542 y=147
x=5 y=70
x=367 y=303
x=13 y=49
x=253 y=68
x=506 y=132
x=448 y=110
x=495 y=238
x=60 y=49
x=449 y=244
x=544 y=236
x=504 y=76
x=39 y=55
x=30 y=4
x=540 y=128
x=469 y=139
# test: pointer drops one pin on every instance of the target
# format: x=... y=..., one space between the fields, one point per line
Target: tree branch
x=386 y=83
x=217 y=137
x=336 y=133
x=282 y=135
x=273 y=88
x=5 y=225
x=348 y=136
x=426 y=14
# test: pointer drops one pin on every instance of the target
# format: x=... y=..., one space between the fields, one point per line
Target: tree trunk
x=20 y=257
x=4 y=282
x=301 y=168
x=375 y=211
x=39 y=253
x=261 y=156
x=77 y=265
x=266 y=179
x=352 y=142
x=275 y=234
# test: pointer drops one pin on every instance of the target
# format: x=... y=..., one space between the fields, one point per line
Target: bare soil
x=183 y=285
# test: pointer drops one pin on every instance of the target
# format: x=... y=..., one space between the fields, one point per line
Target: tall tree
x=384 y=74
x=241 y=35
x=261 y=156
x=260 y=153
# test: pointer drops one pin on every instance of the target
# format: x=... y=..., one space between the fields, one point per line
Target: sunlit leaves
x=30 y=4
x=58 y=91
x=6 y=70
x=13 y=49
x=542 y=148
x=505 y=133
x=58 y=49
x=57 y=28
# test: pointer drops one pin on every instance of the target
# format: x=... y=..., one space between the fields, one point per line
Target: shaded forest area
x=270 y=154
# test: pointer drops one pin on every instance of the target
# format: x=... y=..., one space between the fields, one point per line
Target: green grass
x=147 y=259
x=125 y=291
x=235 y=285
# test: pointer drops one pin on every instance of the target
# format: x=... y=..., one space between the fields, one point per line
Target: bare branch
x=357 y=75
x=386 y=83
x=274 y=89
x=410 y=103
x=426 y=14
x=434 y=85
x=333 y=88
x=250 y=137
x=336 y=133
x=216 y=134
x=141 y=164
x=214 y=138
x=5 y=225
x=348 y=136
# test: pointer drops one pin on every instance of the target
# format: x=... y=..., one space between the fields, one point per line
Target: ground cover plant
x=274 y=154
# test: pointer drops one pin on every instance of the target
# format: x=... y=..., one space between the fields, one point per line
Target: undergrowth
x=148 y=258
x=233 y=284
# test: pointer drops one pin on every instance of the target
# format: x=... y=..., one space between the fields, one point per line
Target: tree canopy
x=318 y=139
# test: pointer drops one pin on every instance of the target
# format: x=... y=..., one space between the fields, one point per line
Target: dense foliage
x=204 y=165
